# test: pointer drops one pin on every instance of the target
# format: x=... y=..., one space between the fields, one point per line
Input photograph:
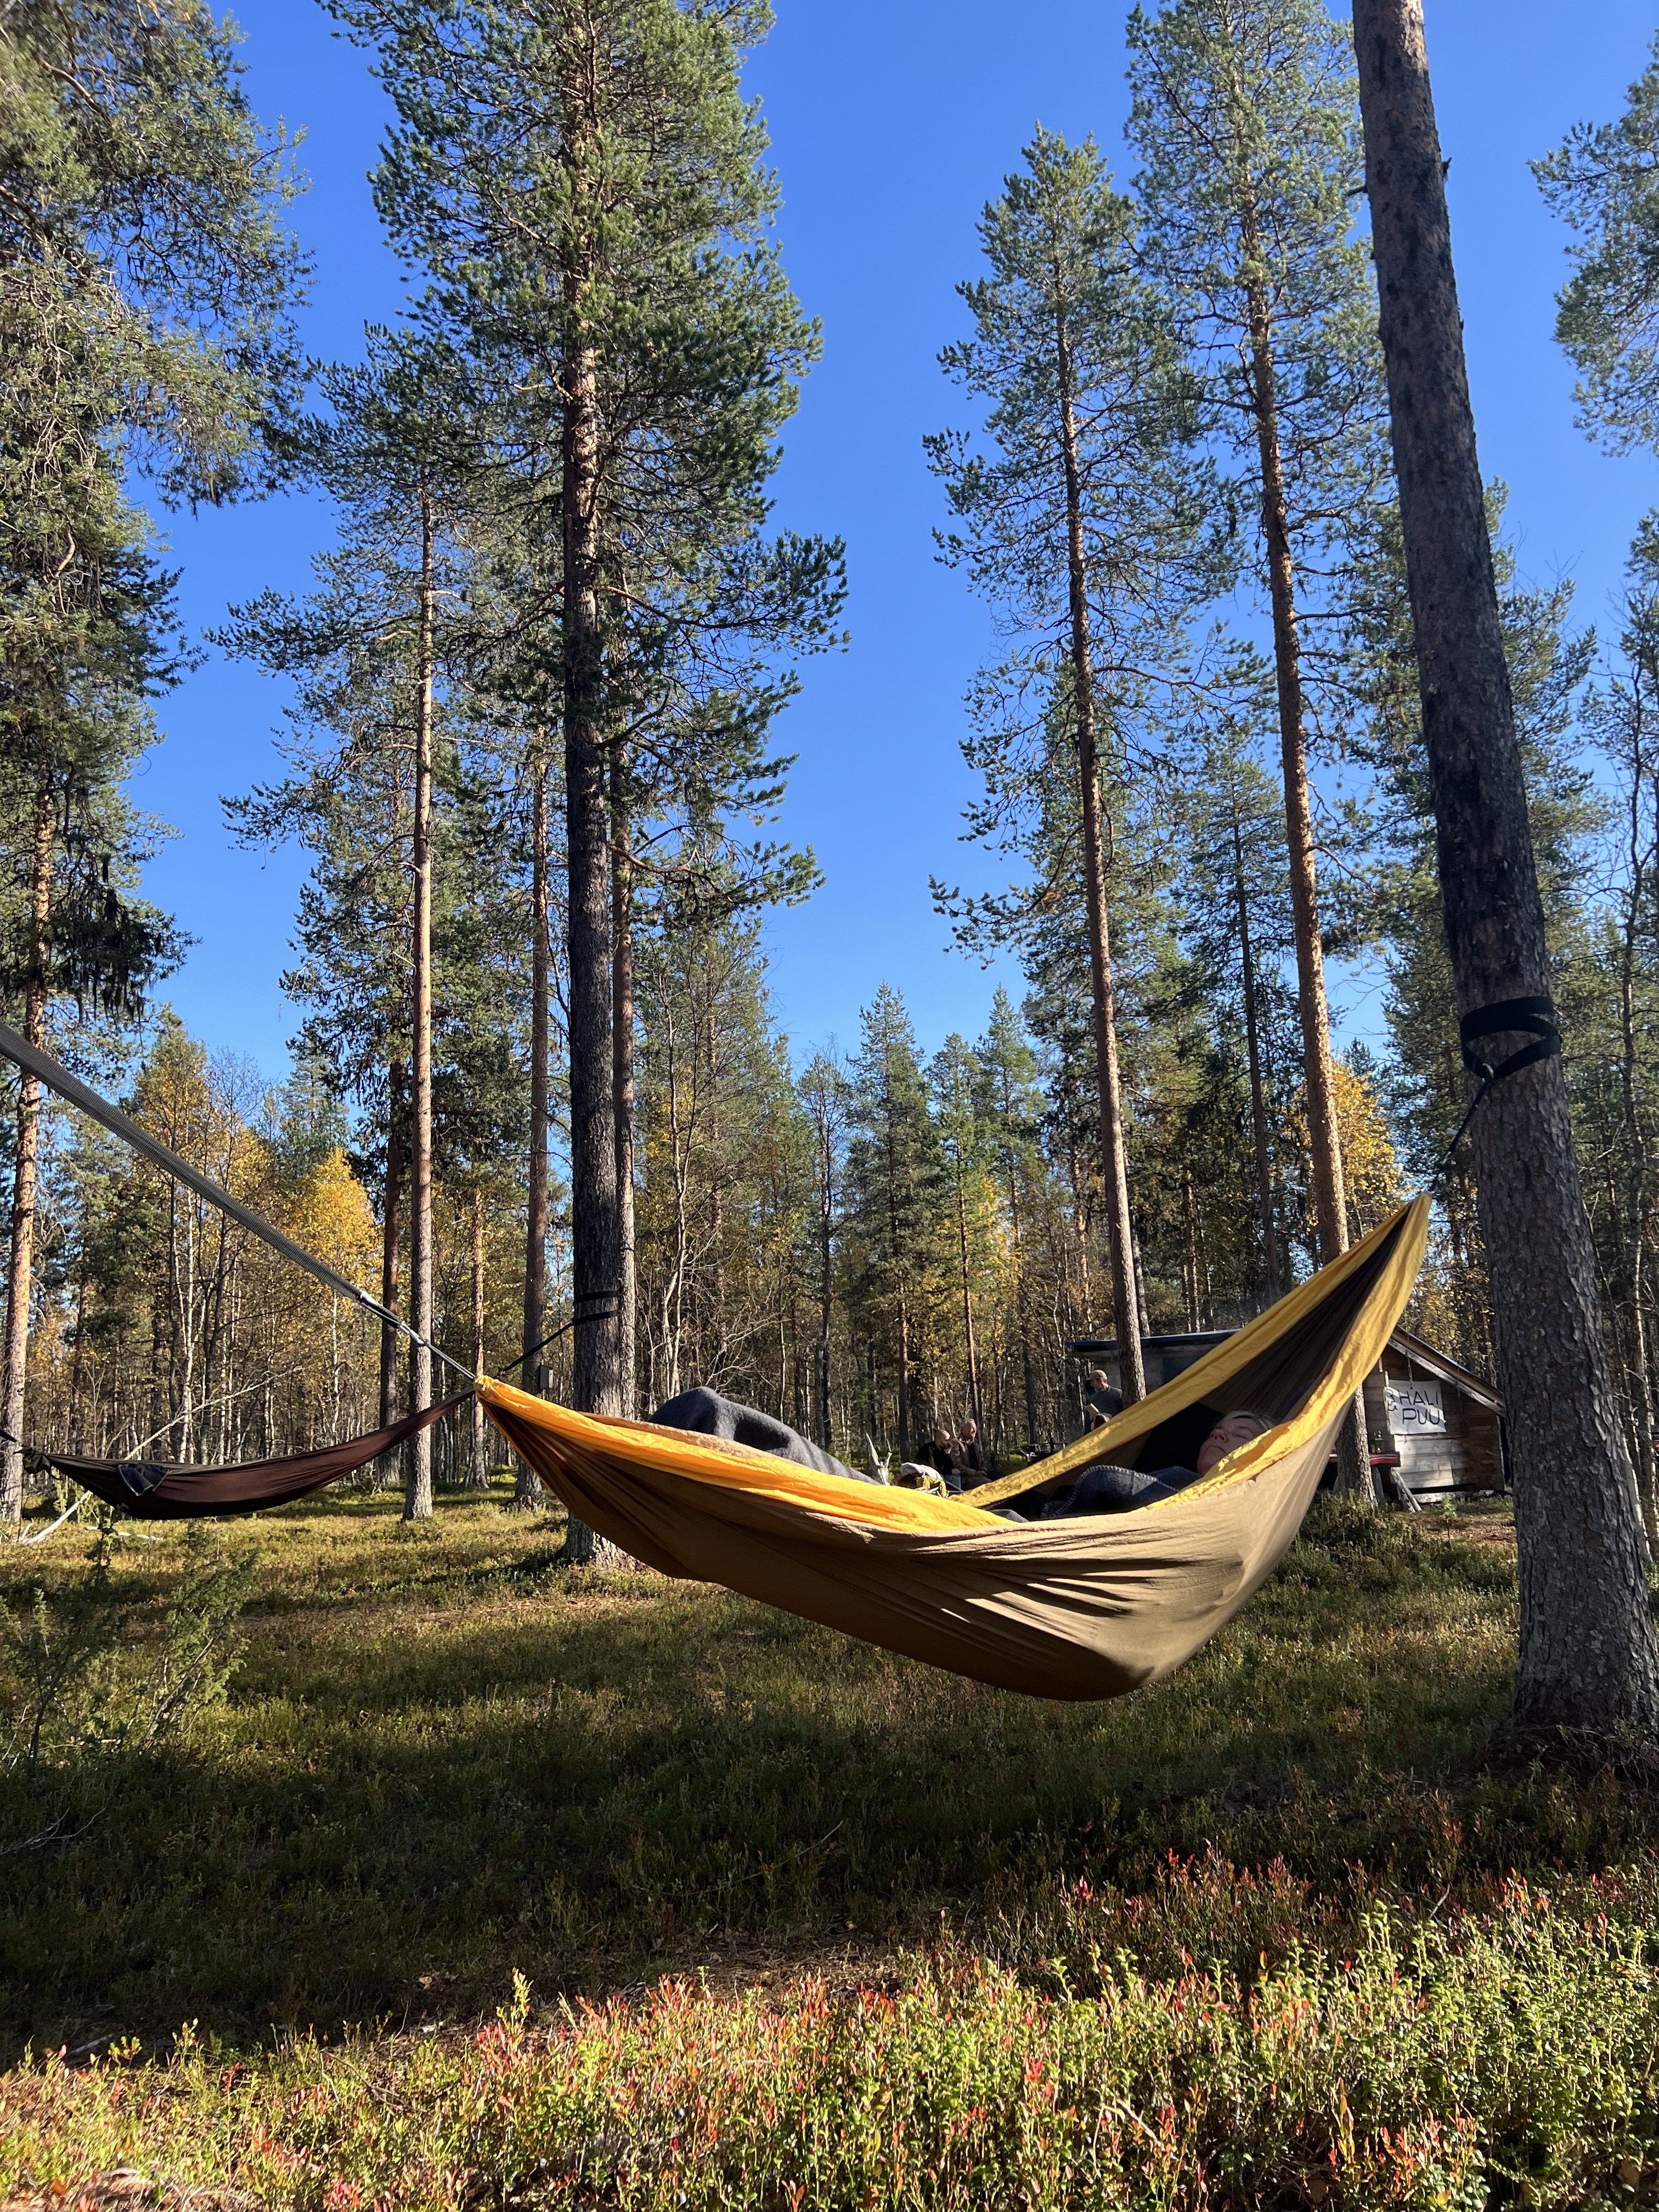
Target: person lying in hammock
x=704 y=1412
x=1119 y=1489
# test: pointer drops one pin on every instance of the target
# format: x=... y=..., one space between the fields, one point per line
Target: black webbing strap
x=55 y=1077
x=1535 y=1017
x=576 y=1321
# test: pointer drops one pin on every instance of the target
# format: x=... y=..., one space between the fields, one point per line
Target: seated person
x=940 y=1455
x=1116 y=1489
x=970 y=1464
x=1101 y=1403
x=704 y=1412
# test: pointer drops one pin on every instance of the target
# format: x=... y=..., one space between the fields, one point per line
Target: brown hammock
x=163 y=1489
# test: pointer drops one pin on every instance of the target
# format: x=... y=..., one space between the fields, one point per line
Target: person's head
x=1099 y=1379
x=969 y=1430
x=1231 y=1431
x=941 y=1435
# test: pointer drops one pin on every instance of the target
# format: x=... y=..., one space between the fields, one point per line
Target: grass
x=788 y=1914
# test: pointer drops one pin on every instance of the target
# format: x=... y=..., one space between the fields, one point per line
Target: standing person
x=1101 y=1402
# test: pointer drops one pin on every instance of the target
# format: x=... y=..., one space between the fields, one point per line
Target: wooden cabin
x=1439 y=1424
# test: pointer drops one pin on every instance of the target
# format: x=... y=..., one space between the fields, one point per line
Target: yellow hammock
x=1089 y=1608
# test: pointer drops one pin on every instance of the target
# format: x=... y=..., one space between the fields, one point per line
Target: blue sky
x=891 y=125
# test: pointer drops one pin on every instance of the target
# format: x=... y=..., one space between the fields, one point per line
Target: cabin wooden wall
x=1467 y=1454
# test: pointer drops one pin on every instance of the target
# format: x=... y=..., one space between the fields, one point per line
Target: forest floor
x=495 y=1883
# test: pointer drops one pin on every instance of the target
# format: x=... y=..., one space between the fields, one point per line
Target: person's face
x=1226 y=1437
x=970 y=1431
x=942 y=1437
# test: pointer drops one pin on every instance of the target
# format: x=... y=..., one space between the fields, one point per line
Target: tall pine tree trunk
x=1125 y=1307
x=391 y=1248
x=826 y=1247
x=622 y=1085
x=1324 y=1145
x=1587 y=1655
x=418 y=1480
x=1264 y=1173
x=1634 y=1238
x=479 y=1470
x=391 y=1240
x=527 y=1492
x=596 y=1380
x=14 y=1370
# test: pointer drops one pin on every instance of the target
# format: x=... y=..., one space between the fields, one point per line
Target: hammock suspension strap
x=576 y=1321
x=1533 y=1017
x=55 y=1077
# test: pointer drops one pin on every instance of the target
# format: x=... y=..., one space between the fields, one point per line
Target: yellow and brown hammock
x=1087 y=1608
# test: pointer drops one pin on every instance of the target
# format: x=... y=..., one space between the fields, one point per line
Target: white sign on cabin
x=1415 y=1409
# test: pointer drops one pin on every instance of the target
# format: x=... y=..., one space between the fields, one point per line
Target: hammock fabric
x=162 y=1490
x=1088 y=1607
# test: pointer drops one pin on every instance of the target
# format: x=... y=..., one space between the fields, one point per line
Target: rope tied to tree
x=1535 y=1017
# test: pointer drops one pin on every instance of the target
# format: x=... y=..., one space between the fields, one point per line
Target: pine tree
x=1603 y=182
x=581 y=181
x=1246 y=120
x=398 y=450
x=1010 y=1108
x=145 y=282
x=893 y=1168
x=958 y=1084
x=1081 y=526
x=1235 y=893
x=1588 y=1654
x=824 y=1095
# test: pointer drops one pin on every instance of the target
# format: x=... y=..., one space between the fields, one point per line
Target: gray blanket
x=705 y=1414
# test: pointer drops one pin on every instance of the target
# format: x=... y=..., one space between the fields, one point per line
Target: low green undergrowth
x=1466 y=2063
x=1271 y=1928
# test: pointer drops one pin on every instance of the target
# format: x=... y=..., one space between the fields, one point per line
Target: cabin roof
x=1444 y=1368
x=1405 y=1341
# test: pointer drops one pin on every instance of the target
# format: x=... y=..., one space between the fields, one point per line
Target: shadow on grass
x=442 y=1761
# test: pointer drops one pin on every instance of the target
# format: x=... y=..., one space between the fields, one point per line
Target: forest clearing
x=792 y=1914
x=609 y=1595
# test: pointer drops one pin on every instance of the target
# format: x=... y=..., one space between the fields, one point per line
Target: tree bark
x=14 y=1370
x=527 y=1490
x=1324 y=1145
x=1125 y=1307
x=418 y=1477
x=1587 y=1652
x=826 y=1248
x=478 y=1470
x=596 y=1378
x=622 y=1087
x=1264 y=1174
x=391 y=1239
